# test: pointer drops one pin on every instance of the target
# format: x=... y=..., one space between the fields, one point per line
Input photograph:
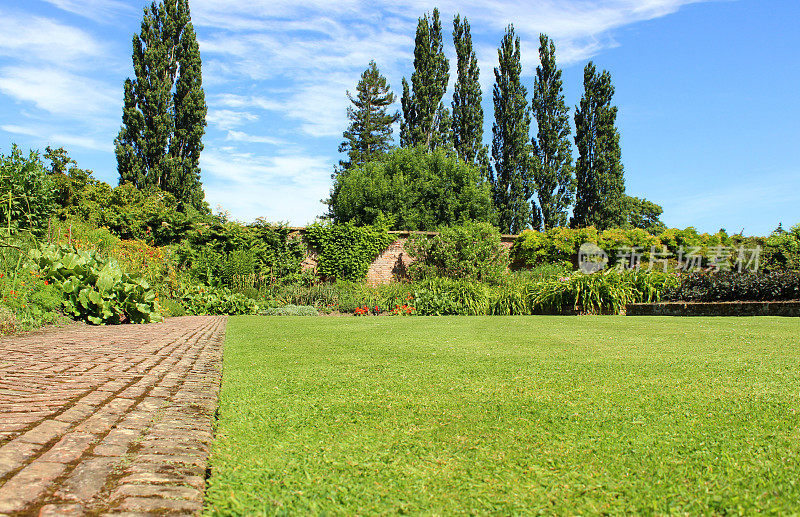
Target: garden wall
x=393 y=261
x=715 y=309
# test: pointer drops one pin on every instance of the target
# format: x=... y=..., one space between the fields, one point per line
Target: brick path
x=108 y=420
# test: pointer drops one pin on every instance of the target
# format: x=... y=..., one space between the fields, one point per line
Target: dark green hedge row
x=729 y=286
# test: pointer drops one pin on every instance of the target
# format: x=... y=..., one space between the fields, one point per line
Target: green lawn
x=508 y=415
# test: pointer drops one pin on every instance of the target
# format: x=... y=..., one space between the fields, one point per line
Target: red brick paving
x=109 y=420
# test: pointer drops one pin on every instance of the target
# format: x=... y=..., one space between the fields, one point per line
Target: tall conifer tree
x=370 y=132
x=600 y=194
x=425 y=119
x=467 y=109
x=163 y=119
x=552 y=151
x=512 y=181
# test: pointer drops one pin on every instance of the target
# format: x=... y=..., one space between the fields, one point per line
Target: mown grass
x=513 y=415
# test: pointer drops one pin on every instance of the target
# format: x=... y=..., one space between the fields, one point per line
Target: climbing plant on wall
x=345 y=251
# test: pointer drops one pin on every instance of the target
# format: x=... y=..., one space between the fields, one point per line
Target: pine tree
x=163 y=119
x=552 y=151
x=425 y=119
x=467 y=109
x=512 y=181
x=600 y=195
x=370 y=132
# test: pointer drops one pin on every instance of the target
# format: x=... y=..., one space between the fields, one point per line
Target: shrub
x=26 y=193
x=345 y=251
x=508 y=300
x=781 y=250
x=555 y=246
x=291 y=310
x=414 y=188
x=201 y=300
x=443 y=296
x=472 y=252
x=95 y=289
x=241 y=256
x=726 y=286
x=172 y=307
x=28 y=301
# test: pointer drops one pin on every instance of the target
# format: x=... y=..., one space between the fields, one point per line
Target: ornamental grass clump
x=605 y=292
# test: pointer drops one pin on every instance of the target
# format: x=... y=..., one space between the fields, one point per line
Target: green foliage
x=26 y=193
x=554 y=246
x=472 y=251
x=644 y=214
x=414 y=189
x=70 y=183
x=730 y=286
x=606 y=292
x=552 y=150
x=782 y=250
x=370 y=132
x=561 y=245
x=467 y=123
x=172 y=307
x=201 y=300
x=27 y=300
x=444 y=296
x=599 y=172
x=163 y=119
x=425 y=119
x=291 y=310
x=508 y=300
x=345 y=251
x=513 y=182
x=241 y=256
x=95 y=289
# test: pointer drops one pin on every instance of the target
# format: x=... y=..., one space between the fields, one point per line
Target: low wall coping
x=789 y=308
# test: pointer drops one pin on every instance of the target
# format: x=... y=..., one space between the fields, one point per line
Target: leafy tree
x=425 y=121
x=71 y=183
x=513 y=181
x=370 y=132
x=599 y=173
x=552 y=151
x=467 y=120
x=163 y=119
x=414 y=189
x=644 y=214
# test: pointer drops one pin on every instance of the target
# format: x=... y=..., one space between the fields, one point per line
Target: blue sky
x=707 y=91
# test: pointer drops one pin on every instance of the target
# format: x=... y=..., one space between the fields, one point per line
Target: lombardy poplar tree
x=467 y=110
x=164 y=115
x=512 y=181
x=600 y=195
x=370 y=132
x=426 y=121
x=552 y=150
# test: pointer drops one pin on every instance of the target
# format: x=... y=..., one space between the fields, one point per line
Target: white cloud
x=58 y=91
x=323 y=47
x=49 y=136
x=229 y=119
x=97 y=10
x=42 y=39
x=240 y=136
x=284 y=187
x=285 y=65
